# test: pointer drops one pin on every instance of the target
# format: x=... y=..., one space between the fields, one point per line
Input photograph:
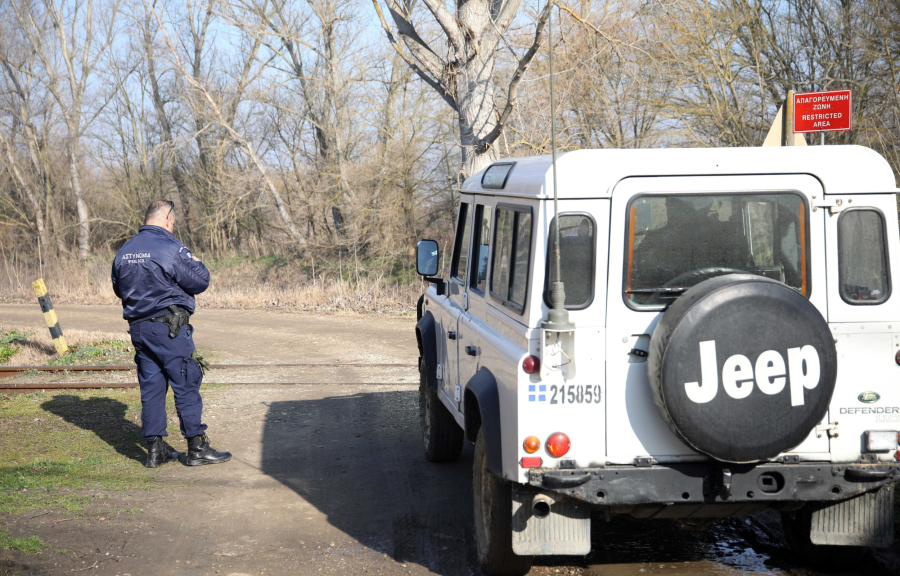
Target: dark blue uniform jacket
x=154 y=270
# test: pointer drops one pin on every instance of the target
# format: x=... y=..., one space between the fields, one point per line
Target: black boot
x=200 y=452
x=158 y=452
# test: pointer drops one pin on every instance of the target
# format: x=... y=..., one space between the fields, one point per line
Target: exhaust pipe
x=542 y=504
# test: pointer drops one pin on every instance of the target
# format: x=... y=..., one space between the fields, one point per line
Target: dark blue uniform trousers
x=162 y=361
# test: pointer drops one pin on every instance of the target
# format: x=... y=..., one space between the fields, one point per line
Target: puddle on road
x=665 y=550
x=731 y=561
x=700 y=568
x=723 y=559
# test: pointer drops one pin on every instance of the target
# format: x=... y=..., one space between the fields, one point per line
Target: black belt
x=151 y=319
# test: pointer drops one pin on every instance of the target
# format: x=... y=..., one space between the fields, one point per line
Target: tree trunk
x=477 y=113
x=26 y=187
x=84 y=227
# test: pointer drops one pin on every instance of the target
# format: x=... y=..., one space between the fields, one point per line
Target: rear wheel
x=493 y=520
x=797 y=526
x=442 y=436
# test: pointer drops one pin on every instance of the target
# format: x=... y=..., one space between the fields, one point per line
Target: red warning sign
x=822 y=111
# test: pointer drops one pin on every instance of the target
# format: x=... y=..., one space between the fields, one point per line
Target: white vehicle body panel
x=625 y=424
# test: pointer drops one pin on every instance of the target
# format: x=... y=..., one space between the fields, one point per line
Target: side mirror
x=427 y=257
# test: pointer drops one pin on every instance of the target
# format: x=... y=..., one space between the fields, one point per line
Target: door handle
x=472 y=350
x=451 y=335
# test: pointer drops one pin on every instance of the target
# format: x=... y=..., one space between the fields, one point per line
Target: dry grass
x=86 y=347
x=237 y=283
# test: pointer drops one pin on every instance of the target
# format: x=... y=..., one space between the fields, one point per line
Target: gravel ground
x=328 y=477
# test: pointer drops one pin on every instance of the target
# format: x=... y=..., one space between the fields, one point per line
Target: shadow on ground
x=105 y=417
x=358 y=459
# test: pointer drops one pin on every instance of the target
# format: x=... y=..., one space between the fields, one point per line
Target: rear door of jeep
x=863 y=246
x=668 y=234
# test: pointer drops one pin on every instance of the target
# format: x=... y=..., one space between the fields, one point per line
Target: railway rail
x=7 y=372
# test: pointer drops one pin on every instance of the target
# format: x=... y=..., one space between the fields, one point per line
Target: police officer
x=157 y=277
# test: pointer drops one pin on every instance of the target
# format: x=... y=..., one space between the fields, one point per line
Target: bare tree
x=465 y=77
x=148 y=29
x=313 y=55
x=81 y=36
x=18 y=72
x=223 y=111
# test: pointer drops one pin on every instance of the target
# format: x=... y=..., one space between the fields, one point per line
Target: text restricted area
x=822 y=111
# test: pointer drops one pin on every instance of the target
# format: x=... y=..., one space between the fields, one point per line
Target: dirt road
x=254 y=336
x=329 y=478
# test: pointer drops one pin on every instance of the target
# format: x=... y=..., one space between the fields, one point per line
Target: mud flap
x=866 y=520
x=566 y=531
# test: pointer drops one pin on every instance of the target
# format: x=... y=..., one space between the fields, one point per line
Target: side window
x=461 y=244
x=483 y=245
x=576 y=259
x=512 y=254
x=864 y=277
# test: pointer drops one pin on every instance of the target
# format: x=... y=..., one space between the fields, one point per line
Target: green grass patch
x=13 y=337
x=29 y=545
x=6 y=352
x=66 y=443
x=97 y=353
x=8 y=343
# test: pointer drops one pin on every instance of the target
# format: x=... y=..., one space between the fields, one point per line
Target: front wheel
x=797 y=526
x=493 y=520
x=441 y=435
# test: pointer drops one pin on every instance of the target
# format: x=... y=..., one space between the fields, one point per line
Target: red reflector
x=531 y=462
x=558 y=445
x=531 y=364
x=898 y=454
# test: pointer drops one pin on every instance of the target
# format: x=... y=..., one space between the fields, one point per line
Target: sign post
x=822 y=112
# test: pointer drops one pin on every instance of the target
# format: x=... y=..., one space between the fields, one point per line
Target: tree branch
x=512 y=92
x=447 y=23
x=430 y=76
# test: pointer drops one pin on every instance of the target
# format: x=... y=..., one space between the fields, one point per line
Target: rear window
x=677 y=241
x=863 y=268
x=512 y=253
x=576 y=259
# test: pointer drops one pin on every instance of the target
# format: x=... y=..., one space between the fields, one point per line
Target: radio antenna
x=558 y=316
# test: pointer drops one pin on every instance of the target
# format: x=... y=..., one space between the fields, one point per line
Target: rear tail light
x=897 y=358
x=880 y=440
x=558 y=445
x=532 y=364
x=531 y=462
x=531 y=444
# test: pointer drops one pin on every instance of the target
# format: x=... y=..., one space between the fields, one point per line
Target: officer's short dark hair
x=158 y=210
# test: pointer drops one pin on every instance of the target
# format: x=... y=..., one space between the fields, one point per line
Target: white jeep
x=733 y=345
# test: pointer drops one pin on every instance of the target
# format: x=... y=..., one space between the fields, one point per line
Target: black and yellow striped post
x=50 y=316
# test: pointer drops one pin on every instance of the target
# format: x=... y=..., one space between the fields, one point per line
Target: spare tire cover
x=742 y=367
